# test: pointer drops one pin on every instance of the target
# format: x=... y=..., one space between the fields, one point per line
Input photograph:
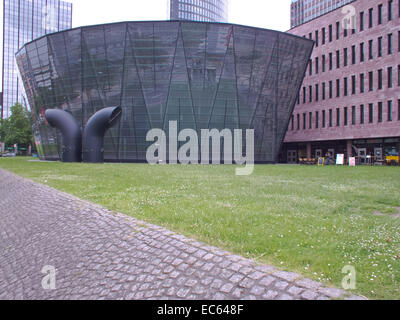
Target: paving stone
x=271 y=294
x=332 y=292
x=281 y=285
x=266 y=281
x=288 y=276
x=285 y=297
x=295 y=290
x=309 y=284
x=309 y=295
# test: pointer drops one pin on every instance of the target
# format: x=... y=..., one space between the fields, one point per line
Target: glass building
x=23 y=21
x=202 y=75
x=303 y=11
x=199 y=10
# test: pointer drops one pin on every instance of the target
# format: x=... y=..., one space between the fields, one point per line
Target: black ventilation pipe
x=71 y=134
x=93 y=135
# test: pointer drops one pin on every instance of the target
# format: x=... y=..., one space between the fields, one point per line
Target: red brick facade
x=345 y=105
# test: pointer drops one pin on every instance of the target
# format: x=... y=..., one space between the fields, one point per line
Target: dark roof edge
x=153 y=21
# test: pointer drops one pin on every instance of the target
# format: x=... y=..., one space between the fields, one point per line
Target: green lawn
x=312 y=220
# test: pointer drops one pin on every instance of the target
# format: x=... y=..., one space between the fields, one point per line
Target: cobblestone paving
x=102 y=255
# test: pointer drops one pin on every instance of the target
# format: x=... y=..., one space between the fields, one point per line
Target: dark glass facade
x=202 y=75
x=199 y=10
x=25 y=20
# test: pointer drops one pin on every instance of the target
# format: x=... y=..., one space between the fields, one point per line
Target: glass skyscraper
x=23 y=21
x=303 y=11
x=199 y=10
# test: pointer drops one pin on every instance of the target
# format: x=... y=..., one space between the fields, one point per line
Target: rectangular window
x=390 y=111
x=330 y=118
x=353 y=55
x=380 y=112
x=310 y=93
x=316 y=38
x=330 y=33
x=361 y=21
x=316 y=92
x=298 y=121
x=390 y=77
x=380 y=13
x=345 y=116
x=371 y=17
x=304 y=95
x=371 y=49
x=371 y=113
x=337 y=30
x=390 y=43
x=398 y=75
x=398 y=41
x=353 y=115
x=316 y=65
x=398 y=110
x=304 y=120
x=380 y=46
x=330 y=61
x=323 y=63
x=338 y=88
x=353 y=84
x=345 y=57
x=380 y=79
x=362 y=52
x=362 y=80
x=323 y=91
x=390 y=10
x=310 y=67
x=330 y=89
x=316 y=119
x=337 y=59
x=371 y=80
x=323 y=36
x=345 y=87
x=362 y=114
x=324 y=117
x=292 y=127
x=310 y=120
x=337 y=117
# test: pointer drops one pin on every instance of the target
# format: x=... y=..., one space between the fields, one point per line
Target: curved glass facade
x=202 y=75
x=199 y=10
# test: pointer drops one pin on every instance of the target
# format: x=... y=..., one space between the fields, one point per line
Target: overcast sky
x=270 y=14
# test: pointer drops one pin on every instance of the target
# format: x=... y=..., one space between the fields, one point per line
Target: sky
x=269 y=14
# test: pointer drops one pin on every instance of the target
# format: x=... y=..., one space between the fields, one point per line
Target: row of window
x=348 y=86
x=342 y=58
x=344 y=116
x=352 y=24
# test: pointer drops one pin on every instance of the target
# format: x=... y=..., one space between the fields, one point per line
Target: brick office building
x=350 y=98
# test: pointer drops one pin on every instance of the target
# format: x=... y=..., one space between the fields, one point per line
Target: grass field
x=308 y=219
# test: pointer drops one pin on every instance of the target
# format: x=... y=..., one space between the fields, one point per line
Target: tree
x=17 y=128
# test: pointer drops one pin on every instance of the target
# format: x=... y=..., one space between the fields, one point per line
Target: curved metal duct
x=71 y=134
x=93 y=135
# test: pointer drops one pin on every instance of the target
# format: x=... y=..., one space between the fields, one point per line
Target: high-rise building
x=349 y=102
x=23 y=21
x=303 y=11
x=199 y=10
